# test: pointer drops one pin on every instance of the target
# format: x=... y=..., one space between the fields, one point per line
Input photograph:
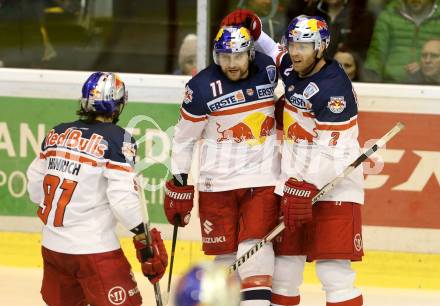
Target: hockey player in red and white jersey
x=320 y=140
x=229 y=106
x=84 y=182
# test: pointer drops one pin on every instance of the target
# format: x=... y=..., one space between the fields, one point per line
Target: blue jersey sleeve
x=285 y=67
x=193 y=99
x=340 y=105
x=122 y=149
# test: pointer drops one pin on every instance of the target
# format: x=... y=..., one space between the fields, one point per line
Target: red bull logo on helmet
x=253 y=129
x=294 y=33
x=316 y=24
x=336 y=104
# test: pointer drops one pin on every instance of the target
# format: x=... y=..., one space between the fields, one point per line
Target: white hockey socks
x=256 y=274
x=287 y=278
x=337 y=279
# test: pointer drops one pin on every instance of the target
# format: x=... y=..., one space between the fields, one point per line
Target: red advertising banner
x=406 y=192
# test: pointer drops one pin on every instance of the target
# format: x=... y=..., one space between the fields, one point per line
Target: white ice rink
x=20 y=287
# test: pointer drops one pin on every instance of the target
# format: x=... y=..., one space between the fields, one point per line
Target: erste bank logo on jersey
x=299 y=101
x=265 y=91
x=233 y=98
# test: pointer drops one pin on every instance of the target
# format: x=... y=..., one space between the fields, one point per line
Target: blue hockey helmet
x=233 y=39
x=305 y=28
x=103 y=93
x=207 y=284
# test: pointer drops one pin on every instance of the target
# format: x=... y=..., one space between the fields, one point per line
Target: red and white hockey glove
x=296 y=204
x=178 y=202
x=153 y=265
x=246 y=18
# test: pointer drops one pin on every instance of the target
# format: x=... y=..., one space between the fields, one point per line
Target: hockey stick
x=173 y=250
x=157 y=294
x=280 y=227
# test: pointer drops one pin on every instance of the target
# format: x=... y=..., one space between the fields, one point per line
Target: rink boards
x=402 y=184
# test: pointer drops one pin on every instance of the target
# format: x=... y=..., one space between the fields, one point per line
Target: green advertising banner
x=24 y=123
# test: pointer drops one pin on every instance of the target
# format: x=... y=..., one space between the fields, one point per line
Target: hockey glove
x=153 y=265
x=296 y=204
x=178 y=201
x=246 y=18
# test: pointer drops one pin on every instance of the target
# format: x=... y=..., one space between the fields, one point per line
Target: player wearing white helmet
x=319 y=119
x=83 y=182
x=306 y=40
x=229 y=106
x=233 y=51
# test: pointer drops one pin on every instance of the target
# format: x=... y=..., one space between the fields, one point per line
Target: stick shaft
x=173 y=250
x=280 y=227
x=143 y=202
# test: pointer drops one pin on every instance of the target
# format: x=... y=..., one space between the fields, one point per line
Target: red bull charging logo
x=253 y=129
x=293 y=131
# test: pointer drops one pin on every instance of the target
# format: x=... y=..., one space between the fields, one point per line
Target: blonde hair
x=188 y=47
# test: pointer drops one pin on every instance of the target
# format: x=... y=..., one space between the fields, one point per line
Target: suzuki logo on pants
x=207 y=227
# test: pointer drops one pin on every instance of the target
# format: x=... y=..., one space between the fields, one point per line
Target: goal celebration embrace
x=265 y=160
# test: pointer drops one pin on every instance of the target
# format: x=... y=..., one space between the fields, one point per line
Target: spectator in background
x=429 y=72
x=350 y=62
x=187 y=58
x=377 y=6
x=21 y=42
x=399 y=34
x=272 y=14
x=350 y=23
x=300 y=7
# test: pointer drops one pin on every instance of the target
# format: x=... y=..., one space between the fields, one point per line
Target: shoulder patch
x=336 y=104
x=271 y=73
x=129 y=151
x=187 y=98
x=311 y=90
x=250 y=92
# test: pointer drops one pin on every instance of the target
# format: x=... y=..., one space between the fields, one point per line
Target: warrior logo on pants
x=117 y=295
x=358 y=242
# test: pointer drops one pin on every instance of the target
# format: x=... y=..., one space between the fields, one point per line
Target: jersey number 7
x=50 y=186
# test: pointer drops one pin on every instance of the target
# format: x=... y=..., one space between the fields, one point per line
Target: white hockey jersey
x=83 y=181
x=319 y=126
x=236 y=125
